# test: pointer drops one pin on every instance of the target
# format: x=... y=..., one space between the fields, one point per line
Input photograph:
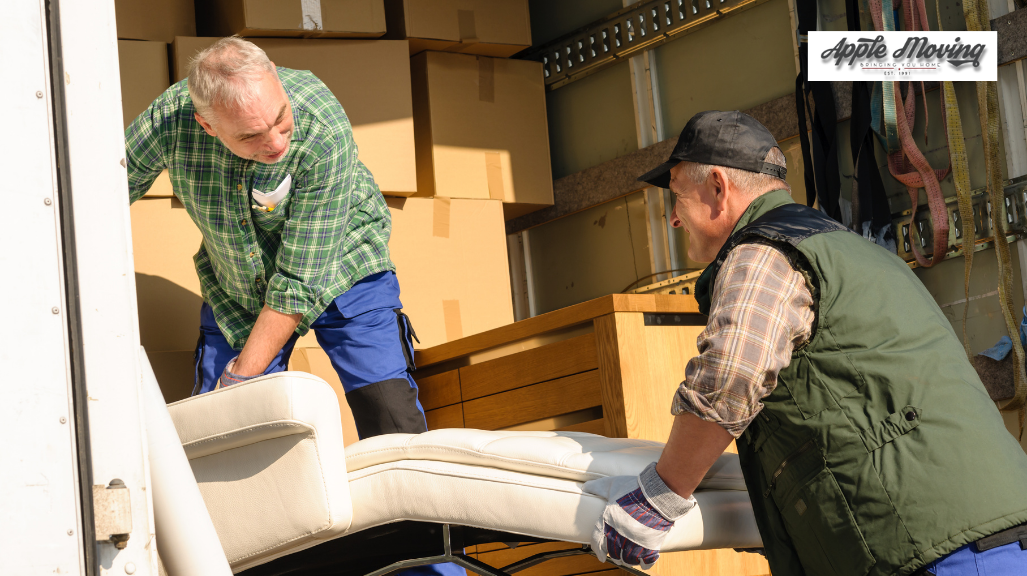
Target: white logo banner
x=921 y=56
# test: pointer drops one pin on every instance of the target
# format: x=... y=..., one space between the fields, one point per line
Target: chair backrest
x=269 y=458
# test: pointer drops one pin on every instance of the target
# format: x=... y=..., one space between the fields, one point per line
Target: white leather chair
x=269 y=460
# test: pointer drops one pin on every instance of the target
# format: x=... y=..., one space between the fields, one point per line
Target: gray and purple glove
x=228 y=377
x=640 y=512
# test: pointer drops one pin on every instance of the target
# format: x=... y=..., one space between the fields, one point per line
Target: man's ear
x=719 y=184
x=207 y=126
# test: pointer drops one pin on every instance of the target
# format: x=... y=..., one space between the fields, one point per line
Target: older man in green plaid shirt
x=295 y=230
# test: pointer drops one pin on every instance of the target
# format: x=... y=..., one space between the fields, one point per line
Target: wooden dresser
x=608 y=366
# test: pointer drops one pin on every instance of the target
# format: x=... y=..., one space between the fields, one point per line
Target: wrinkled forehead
x=259 y=105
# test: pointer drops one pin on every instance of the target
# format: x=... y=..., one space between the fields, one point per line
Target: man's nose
x=675 y=221
x=278 y=140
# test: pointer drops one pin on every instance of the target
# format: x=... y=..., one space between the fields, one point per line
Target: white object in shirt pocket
x=268 y=201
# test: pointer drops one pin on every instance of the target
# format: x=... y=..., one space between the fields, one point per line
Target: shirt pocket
x=817 y=517
x=271 y=220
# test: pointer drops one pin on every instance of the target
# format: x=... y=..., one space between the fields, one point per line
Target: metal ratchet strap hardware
x=820 y=150
x=976 y=14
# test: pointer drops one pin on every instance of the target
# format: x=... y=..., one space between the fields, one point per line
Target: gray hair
x=754 y=183
x=223 y=74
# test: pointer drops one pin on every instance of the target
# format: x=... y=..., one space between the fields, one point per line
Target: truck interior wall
x=734 y=64
x=591 y=120
x=592 y=253
x=551 y=19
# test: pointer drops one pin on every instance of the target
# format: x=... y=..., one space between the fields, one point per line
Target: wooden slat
x=723 y=562
x=720 y=562
x=446 y=417
x=530 y=403
x=583 y=564
x=529 y=367
x=562 y=318
x=439 y=390
x=592 y=427
x=609 y=348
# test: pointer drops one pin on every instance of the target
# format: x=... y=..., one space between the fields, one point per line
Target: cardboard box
x=481 y=130
x=452 y=265
x=499 y=28
x=164 y=240
x=314 y=361
x=291 y=18
x=145 y=75
x=451 y=262
x=450 y=257
x=157 y=20
x=371 y=78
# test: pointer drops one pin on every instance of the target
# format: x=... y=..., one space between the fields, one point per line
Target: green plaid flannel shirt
x=330 y=231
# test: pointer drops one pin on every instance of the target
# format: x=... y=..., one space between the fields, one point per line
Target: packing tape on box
x=486 y=79
x=440 y=218
x=468 y=30
x=494 y=174
x=312 y=14
x=299 y=360
x=451 y=316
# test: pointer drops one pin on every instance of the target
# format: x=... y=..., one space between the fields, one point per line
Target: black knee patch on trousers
x=386 y=407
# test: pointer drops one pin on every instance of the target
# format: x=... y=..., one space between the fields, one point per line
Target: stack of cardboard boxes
x=453 y=131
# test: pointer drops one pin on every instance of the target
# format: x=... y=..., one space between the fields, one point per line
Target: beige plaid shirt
x=761 y=309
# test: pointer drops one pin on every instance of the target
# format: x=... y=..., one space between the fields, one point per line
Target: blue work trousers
x=1007 y=560
x=369 y=342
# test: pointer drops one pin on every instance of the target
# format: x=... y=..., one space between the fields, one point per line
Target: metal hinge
x=112 y=513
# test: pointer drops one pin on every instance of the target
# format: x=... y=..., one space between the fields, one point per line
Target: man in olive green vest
x=867 y=441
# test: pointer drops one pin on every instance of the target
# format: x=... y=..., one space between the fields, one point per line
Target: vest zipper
x=773 y=479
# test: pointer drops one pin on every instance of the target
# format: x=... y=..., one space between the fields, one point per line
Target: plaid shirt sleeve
x=761 y=310
x=316 y=228
x=146 y=145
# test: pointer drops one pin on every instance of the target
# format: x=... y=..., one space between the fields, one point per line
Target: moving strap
x=961 y=178
x=869 y=199
x=898 y=119
x=976 y=14
x=820 y=151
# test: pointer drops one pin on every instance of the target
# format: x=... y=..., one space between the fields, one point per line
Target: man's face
x=260 y=130
x=700 y=210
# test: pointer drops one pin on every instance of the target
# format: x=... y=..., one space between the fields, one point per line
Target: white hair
x=224 y=74
x=754 y=183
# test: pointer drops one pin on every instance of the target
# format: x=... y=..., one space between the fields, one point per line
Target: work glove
x=228 y=377
x=640 y=511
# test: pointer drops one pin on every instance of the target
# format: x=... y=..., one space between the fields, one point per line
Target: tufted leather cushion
x=577 y=456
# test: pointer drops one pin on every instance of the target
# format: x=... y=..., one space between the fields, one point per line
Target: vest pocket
x=817 y=518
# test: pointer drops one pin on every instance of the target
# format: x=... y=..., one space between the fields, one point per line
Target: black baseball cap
x=731 y=139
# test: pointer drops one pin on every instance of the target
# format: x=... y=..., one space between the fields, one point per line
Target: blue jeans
x=1008 y=560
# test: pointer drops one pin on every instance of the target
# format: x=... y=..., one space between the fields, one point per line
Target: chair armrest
x=245 y=443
